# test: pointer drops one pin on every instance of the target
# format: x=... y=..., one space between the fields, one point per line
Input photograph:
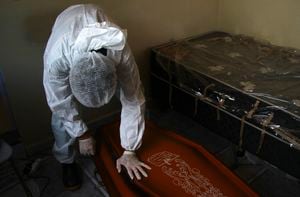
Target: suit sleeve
x=133 y=102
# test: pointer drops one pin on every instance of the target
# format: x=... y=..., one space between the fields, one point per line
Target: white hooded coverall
x=65 y=45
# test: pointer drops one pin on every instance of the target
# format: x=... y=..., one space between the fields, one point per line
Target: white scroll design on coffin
x=189 y=179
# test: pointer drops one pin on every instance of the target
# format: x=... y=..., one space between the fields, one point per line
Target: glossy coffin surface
x=179 y=167
x=240 y=88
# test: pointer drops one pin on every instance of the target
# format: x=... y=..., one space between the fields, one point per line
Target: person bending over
x=86 y=59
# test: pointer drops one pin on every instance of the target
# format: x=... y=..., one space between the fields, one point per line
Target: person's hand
x=132 y=164
x=86 y=144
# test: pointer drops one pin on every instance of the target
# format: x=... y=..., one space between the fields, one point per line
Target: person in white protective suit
x=86 y=59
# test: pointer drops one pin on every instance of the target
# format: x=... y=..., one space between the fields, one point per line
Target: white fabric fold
x=100 y=35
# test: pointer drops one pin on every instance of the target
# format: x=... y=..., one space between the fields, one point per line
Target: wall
x=277 y=21
x=25 y=27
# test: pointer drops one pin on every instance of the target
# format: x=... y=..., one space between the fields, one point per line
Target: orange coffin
x=179 y=167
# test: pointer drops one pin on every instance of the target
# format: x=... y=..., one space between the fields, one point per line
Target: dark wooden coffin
x=245 y=90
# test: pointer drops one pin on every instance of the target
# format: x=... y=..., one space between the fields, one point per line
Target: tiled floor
x=48 y=176
x=262 y=177
x=265 y=179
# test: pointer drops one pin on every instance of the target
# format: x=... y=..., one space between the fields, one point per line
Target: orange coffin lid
x=179 y=167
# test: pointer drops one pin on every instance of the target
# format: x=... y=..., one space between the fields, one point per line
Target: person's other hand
x=132 y=164
x=86 y=144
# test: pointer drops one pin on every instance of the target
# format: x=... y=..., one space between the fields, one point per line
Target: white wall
x=25 y=27
x=277 y=21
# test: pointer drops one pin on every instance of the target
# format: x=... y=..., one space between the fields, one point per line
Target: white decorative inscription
x=189 y=179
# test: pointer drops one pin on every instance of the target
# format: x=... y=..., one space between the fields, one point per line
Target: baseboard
x=46 y=144
x=40 y=146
